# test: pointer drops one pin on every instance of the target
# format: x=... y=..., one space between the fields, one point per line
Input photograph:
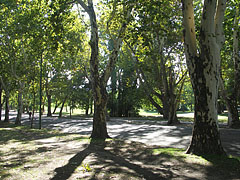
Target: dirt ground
x=52 y=155
x=150 y=131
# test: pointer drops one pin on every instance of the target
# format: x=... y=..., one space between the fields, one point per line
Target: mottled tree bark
x=204 y=67
x=99 y=81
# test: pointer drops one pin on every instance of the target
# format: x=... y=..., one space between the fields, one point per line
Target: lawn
x=27 y=154
x=183 y=116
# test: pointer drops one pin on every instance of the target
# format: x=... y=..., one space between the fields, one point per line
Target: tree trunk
x=6 y=107
x=204 y=66
x=56 y=106
x=233 y=117
x=231 y=103
x=91 y=106
x=0 y=102
x=172 y=117
x=206 y=137
x=99 y=81
x=235 y=122
x=165 y=102
x=60 y=113
x=87 y=109
x=20 y=108
x=33 y=108
x=99 y=117
x=49 y=98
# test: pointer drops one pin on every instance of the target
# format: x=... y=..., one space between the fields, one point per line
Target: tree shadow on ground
x=108 y=159
x=223 y=167
x=136 y=160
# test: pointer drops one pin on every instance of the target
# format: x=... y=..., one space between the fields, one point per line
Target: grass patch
x=224 y=163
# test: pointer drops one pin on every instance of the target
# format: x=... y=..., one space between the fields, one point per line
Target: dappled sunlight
x=72 y=156
x=151 y=132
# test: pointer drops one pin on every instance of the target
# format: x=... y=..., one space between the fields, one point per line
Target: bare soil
x=27 y=154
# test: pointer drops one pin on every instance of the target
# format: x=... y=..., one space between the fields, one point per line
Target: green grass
x=221 y=162
x=182 y=116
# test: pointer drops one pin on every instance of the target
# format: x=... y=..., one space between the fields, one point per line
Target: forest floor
x=66 y=152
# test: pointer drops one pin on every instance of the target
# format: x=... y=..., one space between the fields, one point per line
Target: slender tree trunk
x=56 y=106
x=49 y=98
x=33 y=108
x=6 y=106
x=60 y=113
x=174 y=100
x=20 y=108
x=204 y=66
x=0 y=102
x=87 y=109
x=91 y=106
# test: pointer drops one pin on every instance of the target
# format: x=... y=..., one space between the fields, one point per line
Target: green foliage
x=86 y=167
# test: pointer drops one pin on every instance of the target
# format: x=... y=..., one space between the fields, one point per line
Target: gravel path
x=149 y=132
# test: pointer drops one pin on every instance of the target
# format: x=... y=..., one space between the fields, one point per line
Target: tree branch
x=189 y=28
x=84 y=6
x=221 y=6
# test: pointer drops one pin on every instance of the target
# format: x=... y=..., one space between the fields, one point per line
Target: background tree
x=231 y=63
x=157 y=48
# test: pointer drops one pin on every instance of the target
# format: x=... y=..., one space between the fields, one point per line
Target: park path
x=150 y=132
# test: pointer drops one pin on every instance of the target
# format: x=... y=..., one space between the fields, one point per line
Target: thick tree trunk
x=233 y=117
x=204 y=66
x=231 y=103
x=206 y=137
x=20 y=108
x=99 y=117
x=166 y=106
x=6 y=107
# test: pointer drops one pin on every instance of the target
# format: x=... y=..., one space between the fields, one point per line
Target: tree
x=204 y=67
x=1 y=90
x=157 y=47
x=125 y=92
x=99 y=80
x=231 y=66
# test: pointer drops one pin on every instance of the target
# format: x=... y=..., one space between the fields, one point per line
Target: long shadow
x=66 y=171
x=223 y=167
x=97 y=147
